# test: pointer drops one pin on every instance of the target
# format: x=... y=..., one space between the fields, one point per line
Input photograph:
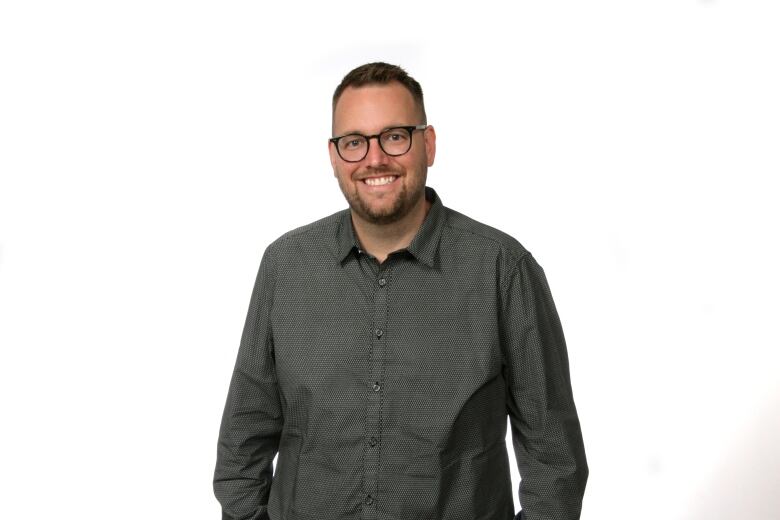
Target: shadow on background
x=745 y=485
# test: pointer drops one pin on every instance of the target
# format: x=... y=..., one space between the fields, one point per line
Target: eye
x=394 y=136
x=351 y=142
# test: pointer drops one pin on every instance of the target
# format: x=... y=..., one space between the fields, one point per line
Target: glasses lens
x=395 y=141
x=352 y=147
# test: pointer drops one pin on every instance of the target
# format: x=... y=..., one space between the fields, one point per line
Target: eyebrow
x=350 y=132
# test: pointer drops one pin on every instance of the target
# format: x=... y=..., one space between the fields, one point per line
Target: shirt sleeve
x=252 y=419
x=545 y=428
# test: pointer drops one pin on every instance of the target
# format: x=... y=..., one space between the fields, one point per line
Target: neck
x=379 y=240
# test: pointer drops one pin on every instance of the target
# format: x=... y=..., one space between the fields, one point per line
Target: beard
x=404 y=200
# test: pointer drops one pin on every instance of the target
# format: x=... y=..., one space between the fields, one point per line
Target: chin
x=388 y=216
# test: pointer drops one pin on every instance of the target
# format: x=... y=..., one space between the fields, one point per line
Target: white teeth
x=379 y=181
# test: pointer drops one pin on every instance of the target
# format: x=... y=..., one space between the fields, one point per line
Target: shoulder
x=308 y=236
x=470 y=233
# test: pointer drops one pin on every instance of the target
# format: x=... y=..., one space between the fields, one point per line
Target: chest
x=410 y=320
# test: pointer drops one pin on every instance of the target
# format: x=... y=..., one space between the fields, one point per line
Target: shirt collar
x=423 y=246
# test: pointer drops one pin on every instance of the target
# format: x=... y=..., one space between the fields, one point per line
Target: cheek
x=418 y=166
x=344 y=175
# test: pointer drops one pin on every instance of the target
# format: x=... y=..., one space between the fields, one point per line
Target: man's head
x=370 y=100
x=380 y=73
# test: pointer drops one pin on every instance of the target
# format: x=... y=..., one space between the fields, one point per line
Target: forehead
x=371 y=108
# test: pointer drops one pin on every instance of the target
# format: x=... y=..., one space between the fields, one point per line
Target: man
x=386 y=344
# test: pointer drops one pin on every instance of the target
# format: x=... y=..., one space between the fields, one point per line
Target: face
x=368 y=110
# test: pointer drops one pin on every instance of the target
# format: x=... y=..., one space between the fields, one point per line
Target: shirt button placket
x=373 y=429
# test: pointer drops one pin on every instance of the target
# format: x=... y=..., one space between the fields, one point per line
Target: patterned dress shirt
x=385 y=388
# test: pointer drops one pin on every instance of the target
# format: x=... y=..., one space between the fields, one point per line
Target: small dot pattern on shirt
x=385 y=388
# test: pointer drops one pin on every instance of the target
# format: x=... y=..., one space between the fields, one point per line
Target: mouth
x=380 y=181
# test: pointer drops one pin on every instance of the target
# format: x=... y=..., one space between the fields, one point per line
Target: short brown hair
x=381 y=73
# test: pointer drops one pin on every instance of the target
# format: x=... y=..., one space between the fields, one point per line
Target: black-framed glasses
x=393 y=141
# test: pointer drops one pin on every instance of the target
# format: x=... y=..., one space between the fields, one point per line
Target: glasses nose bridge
x=379 y=145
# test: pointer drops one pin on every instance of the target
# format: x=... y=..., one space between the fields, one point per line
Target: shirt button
x=373 y=441
x=382 y=282
x=378 y=333
x=369 y=500
x=376 y=387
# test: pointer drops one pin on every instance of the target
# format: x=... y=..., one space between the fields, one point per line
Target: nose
x=376 y=156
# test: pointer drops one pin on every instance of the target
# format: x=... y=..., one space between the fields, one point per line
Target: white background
x=150 y=150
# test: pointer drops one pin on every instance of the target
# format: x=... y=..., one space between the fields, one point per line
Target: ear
x=430 y=144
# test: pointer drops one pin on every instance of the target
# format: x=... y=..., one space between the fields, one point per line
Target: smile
x=379 y=181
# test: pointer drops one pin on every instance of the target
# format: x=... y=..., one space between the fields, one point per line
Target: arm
x=545 y=428
x=252 y=420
